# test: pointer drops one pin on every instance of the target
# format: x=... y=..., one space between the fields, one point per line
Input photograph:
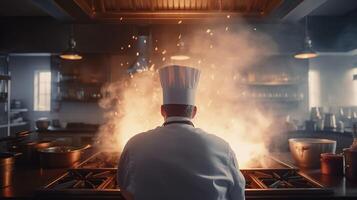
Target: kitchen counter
x=28 y=179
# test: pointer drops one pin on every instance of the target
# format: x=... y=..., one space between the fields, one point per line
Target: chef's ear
x=163 y=112
x=194 y=111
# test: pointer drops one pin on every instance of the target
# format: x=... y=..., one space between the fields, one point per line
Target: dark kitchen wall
x=23 y=69
x=334 y=78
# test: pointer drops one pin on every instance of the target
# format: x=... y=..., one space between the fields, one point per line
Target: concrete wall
x=22 y=70
x=333 y=81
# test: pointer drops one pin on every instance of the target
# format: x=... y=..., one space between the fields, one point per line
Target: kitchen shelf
x=18 y=110
x=5 y=77
x=14 y=124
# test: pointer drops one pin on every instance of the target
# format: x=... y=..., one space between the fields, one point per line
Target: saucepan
x=61 y=156
x=306 y=151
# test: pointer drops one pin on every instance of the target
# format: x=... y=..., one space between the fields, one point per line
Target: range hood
x=141 y=64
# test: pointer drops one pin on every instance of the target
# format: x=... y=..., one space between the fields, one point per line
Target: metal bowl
x=306 y=151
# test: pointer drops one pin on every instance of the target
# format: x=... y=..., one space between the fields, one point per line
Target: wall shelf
x=13 y=124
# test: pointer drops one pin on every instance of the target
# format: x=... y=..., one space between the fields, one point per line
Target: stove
x=96 y=178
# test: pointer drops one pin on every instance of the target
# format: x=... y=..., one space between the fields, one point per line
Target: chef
x=178 y=160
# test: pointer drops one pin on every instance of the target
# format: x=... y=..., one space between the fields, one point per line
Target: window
x=42 y=91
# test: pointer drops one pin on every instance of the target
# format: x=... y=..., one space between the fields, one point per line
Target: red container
x=332 y=164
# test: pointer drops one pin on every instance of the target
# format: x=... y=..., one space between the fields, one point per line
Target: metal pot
x=60 y=156
x=7 y=162
x=306 y=151
x=42 y=123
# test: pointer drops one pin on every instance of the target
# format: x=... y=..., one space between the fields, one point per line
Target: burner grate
x=83 y=179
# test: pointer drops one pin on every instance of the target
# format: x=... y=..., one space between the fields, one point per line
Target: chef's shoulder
x=139 y=138
x=211 y=138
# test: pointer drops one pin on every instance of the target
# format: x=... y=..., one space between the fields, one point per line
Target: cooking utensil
x=42 y=123
x=350 y=158
x=7 y=162
x=332 y=164
x=329 y=121
x=60 y=156
x=306 y=151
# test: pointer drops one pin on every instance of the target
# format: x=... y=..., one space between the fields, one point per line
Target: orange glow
x=180 y=57
x=306 y=55
x=71 y=56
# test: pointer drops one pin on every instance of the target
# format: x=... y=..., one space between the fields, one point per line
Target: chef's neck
x=177 y=118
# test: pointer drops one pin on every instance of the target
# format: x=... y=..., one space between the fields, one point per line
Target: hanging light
x=71 y=53
x=308 y=52
x=181 y=53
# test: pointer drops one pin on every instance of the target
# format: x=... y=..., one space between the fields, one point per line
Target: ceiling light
x=308 y=52
x=71 y=53
x=181 y=53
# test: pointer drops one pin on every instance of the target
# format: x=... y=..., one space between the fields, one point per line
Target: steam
x=221 y=54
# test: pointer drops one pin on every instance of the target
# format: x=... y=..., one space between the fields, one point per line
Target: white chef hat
x=179 y=84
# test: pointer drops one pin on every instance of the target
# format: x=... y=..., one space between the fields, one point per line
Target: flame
x=134 y=104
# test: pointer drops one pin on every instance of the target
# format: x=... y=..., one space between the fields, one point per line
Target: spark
x=163 y=58
x=137 y=53
x=129 y=46
x=163 y=52
x=121 y=18
x=208 y=30
x=210 y=46
x=227 y=28
x=145 y=41
x=122 y=48
x=179 y=22
x=228 y=16
x=179 y=37
x=156 y=49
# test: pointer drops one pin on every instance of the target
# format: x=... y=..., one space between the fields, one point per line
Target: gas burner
x=101 y=160
x=283 y=179
x=288 y=181
x=83 y=179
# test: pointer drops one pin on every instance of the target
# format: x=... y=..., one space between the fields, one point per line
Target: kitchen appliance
x=96 y=178
x=42 y=123
x=306 y=151
x=329 y=121
x=332 y=164
x=60 y=156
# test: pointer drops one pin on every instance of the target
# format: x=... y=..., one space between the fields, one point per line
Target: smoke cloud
x=222 y=53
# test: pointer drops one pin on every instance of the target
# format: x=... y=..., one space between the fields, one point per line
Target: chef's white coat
x=178 y=161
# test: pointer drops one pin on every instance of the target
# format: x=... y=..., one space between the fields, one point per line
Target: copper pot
x=7 y=163
x=60 y=156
